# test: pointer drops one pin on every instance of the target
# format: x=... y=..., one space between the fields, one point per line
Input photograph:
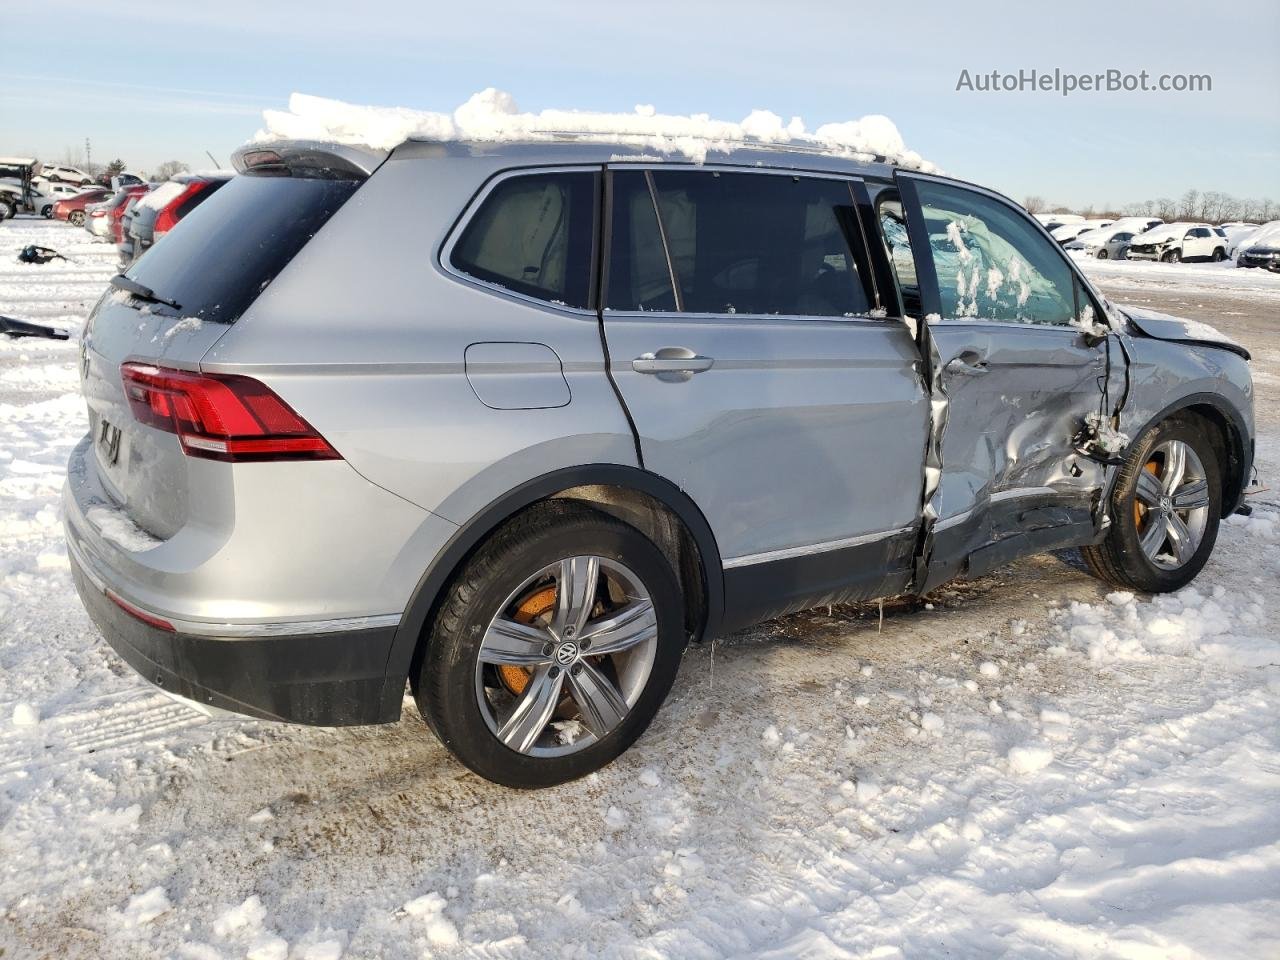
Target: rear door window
x=735 y=243
x=215 y=262
x=533 y=234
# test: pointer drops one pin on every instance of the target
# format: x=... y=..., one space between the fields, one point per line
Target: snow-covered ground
x=1027 y=766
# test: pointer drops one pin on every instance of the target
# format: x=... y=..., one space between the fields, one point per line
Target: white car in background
x=60 y=173
x=1106 y=243
x=1238 y=235
x=1052 y=221
x=1069 y=231
x=1183 y=240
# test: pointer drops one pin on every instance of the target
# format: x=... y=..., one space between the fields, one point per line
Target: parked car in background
x=72 y=209
x=1172 y=242
x=103 y=219
x=160 y=210
x=122 y=214
x=732 y=426
x=1237 y=234
x=97 y=217
x=48 y=194
x=1069 y=231
x=1136 y=225
x=1052 y=221
x=1262 y=248
x=119 y=181
x=60 y=173
x=1106 y=243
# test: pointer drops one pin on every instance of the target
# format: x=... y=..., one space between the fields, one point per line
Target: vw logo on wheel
x=566 y=653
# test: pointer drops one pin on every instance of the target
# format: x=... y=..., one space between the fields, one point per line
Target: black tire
x=1102 y=253
x=7 y=211
x=1219 y=255
x=1120 y=559
x=1173 y=256
x=445 y=687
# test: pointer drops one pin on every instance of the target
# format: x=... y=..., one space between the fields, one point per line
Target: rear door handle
x=677 y=360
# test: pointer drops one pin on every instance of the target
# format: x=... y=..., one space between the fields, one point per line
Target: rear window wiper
x=141 y=291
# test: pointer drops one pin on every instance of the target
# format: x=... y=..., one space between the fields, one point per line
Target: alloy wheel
x=1171 y=504
x=567 y=656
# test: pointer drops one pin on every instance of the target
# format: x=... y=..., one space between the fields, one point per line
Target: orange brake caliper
x=533 y=606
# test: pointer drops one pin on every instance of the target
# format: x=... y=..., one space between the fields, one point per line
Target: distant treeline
x=1209 y=206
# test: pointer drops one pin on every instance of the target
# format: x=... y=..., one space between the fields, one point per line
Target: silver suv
x=515 y=422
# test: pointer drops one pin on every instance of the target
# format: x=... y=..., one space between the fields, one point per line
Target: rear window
x=533 y=235
x=216 y=261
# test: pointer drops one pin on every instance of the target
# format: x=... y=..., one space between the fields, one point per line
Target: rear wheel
x=554 y=649
x=1219 y=255
x=1102 y=253
x=76 y=218
x=1165 y=508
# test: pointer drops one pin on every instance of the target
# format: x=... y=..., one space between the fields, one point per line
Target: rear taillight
x=220 y=416
x=168 y=217
x=97 y=213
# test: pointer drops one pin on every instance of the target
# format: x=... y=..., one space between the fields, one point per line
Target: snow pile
x=492 y=116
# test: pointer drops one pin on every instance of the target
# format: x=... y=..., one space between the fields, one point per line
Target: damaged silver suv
x=513 y=423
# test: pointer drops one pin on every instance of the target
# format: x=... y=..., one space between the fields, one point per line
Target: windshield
x=218 y=259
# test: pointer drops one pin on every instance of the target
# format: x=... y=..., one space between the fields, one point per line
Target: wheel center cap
x=566 y=653
x=1166 y=504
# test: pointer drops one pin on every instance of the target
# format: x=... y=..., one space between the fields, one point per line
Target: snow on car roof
x=492 y=116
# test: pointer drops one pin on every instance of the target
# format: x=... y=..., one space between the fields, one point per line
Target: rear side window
x=533 y=235
x=215 y=262
x=735 y=243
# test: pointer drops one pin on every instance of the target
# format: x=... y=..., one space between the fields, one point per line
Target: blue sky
x=190 y=79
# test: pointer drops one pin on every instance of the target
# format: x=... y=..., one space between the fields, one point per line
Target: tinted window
x=992 y=262
x=216 y=261
x=739 y=243
x=533 y=234
x=639 y=276
x=1123 y=237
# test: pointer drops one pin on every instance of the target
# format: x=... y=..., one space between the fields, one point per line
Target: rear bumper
x=322 y=679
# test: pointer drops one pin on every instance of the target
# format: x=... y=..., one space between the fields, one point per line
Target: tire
x=7 y=211
x=76 y=218
x=1219 y=255
x=1102 y=253
x=469 y=700
x=1173 y=256
x=1122 y=559
x=47 y=212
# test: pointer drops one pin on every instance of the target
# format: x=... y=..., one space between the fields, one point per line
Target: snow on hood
x=492 y=115
x=1163 y=232
x=1267 y=235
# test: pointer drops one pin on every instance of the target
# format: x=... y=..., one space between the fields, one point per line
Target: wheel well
x=663 y=526
x=1228 y=446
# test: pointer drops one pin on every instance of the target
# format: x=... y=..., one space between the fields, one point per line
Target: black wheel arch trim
x=474 y=532
x=1240 y=442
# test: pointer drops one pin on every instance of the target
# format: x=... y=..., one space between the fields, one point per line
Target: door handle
x=967 y=365
x=674 y=360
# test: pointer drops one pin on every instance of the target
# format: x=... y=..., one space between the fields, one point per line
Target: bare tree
x=170 y=168
x=1166 y=208
x=1190 y=201
x=1033 y=204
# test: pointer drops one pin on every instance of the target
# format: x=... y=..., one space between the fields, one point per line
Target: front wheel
x=554 y=649
x=1165 y=508
x=1173 y=256
x=1219 y=255
x=76 y=218
x=1102 y=253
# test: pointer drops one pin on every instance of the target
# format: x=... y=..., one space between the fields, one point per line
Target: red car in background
x=72 y=208
x=119 y=203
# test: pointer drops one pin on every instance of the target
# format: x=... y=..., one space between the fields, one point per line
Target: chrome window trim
x=812 y=549
x=444 y=256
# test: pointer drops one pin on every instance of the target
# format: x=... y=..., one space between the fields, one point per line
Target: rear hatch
x=170 y=307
